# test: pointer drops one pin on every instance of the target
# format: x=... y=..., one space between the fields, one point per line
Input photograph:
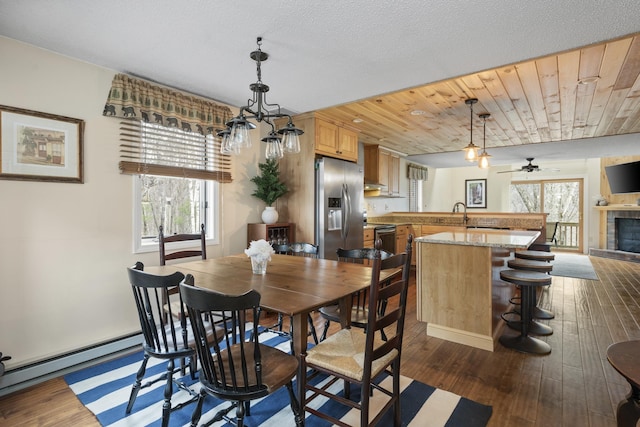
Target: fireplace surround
x=623 y=235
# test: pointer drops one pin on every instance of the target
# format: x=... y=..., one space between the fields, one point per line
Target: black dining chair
x=303 y=249
x=359 y=312
x=237 y=370
x=164 y=337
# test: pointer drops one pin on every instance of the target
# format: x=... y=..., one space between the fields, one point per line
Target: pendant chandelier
x=471 y=150
x=483 y=158
x=278 y=142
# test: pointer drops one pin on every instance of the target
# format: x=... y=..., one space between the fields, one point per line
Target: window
x=415 y=195
x=561 y=199
x=178 y=203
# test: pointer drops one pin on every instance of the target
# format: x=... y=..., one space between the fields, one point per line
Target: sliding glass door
x=562 y=201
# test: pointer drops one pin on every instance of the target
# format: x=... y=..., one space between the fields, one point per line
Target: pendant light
x=471 y=150
x=483 y=158
x=236 y=136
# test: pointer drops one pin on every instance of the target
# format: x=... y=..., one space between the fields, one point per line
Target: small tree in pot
x=269 y=188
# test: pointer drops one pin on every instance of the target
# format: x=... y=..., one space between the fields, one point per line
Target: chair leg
x=136 y=386
x=324 y=332
x=168 y=392
x=197 y=412
x=397 y=419
x=240 y=414
x=312 y=328
x=295 y=407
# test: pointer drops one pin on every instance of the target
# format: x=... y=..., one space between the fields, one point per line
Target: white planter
x=269 y=215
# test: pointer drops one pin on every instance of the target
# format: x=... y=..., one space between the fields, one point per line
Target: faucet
x=465 y=218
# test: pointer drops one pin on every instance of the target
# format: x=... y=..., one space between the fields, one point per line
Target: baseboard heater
x=28 y=375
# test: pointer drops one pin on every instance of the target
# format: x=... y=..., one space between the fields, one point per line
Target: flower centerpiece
x=260 y=252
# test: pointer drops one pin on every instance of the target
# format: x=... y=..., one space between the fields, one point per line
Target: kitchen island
x=459 y=291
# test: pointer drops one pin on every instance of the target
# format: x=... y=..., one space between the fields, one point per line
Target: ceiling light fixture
x=471 y=150
x=483 y=158
x=236 y=136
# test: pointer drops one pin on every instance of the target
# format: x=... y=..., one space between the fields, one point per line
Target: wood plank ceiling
x=584 y=93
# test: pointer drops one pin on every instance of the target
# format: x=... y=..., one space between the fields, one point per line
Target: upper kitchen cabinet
x=335 y=141
x=382 y=168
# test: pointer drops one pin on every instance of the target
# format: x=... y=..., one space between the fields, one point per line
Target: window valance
x=133 y=98
x=419 y=173
x=167 y=133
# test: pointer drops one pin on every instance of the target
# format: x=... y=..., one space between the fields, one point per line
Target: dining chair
x=359 y=359
x=302 y=249
x=179 y=254
x=359 y=312
x=164 y=337
x=242 y=370
x=553 y=238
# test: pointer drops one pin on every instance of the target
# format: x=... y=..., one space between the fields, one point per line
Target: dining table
x=292 y=286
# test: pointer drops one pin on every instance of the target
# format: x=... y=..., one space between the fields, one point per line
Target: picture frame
x=36 y=146
x=475 y=193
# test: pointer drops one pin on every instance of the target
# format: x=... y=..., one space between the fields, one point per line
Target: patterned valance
x=419 y=173
x=132 y=98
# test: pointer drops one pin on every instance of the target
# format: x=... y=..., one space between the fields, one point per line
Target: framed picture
x=38 y=146
x=475 y=193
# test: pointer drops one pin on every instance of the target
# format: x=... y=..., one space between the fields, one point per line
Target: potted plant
x=269 y=188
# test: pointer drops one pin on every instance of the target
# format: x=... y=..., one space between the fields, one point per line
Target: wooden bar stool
x=624 y=356
x=535 y=255
x=528 y=281
x=533 y=265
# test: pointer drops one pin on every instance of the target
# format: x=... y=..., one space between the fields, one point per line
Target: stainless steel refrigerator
x=339 y=206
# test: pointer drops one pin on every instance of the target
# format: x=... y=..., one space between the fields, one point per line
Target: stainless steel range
x=386 y=233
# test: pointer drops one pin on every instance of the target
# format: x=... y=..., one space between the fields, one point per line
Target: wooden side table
x=624 y=357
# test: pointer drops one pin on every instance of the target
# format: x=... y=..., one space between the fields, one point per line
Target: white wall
x=64 y=247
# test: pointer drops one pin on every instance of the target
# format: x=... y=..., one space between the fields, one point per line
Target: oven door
x=388 y=236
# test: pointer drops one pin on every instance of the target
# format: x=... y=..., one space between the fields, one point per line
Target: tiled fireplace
x=623 y=236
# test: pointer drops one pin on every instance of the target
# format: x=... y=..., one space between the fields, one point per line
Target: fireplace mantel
x=617 y=208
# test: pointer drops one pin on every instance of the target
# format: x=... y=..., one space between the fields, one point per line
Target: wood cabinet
x=280 y=232
x=368 y=237
x=335 y=141
x=382 y=167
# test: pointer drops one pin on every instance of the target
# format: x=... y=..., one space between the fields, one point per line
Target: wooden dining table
x=292 y=286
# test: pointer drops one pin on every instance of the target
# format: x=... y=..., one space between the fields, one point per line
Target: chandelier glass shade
x=471 y=150
x=483 y=158
x=237 y=134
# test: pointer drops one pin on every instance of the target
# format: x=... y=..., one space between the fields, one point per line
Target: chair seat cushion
x=343 y=352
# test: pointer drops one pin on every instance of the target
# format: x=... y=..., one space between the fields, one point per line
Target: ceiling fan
x=530 y=167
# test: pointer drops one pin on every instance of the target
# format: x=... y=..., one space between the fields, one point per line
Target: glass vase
x=258 y=267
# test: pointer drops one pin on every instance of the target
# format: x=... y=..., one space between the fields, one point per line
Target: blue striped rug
x=104 y=389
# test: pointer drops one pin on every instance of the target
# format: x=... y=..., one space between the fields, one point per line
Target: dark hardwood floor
x=572 y=386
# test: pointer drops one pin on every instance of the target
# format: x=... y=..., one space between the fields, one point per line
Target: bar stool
x=528 y=281
x=535 y=255
x=532 y=265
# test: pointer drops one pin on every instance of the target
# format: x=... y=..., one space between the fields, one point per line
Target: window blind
x=151 y=149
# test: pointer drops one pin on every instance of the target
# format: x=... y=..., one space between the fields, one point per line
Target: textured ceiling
x=322 y=54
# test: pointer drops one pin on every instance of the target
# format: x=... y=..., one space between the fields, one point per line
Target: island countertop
x=512 y=239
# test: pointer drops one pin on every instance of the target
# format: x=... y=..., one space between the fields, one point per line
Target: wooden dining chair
x=359 y=359
x=359 y=312
x=165 y=241
x=303 y=249
x=164 y=337
x=242 y=370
